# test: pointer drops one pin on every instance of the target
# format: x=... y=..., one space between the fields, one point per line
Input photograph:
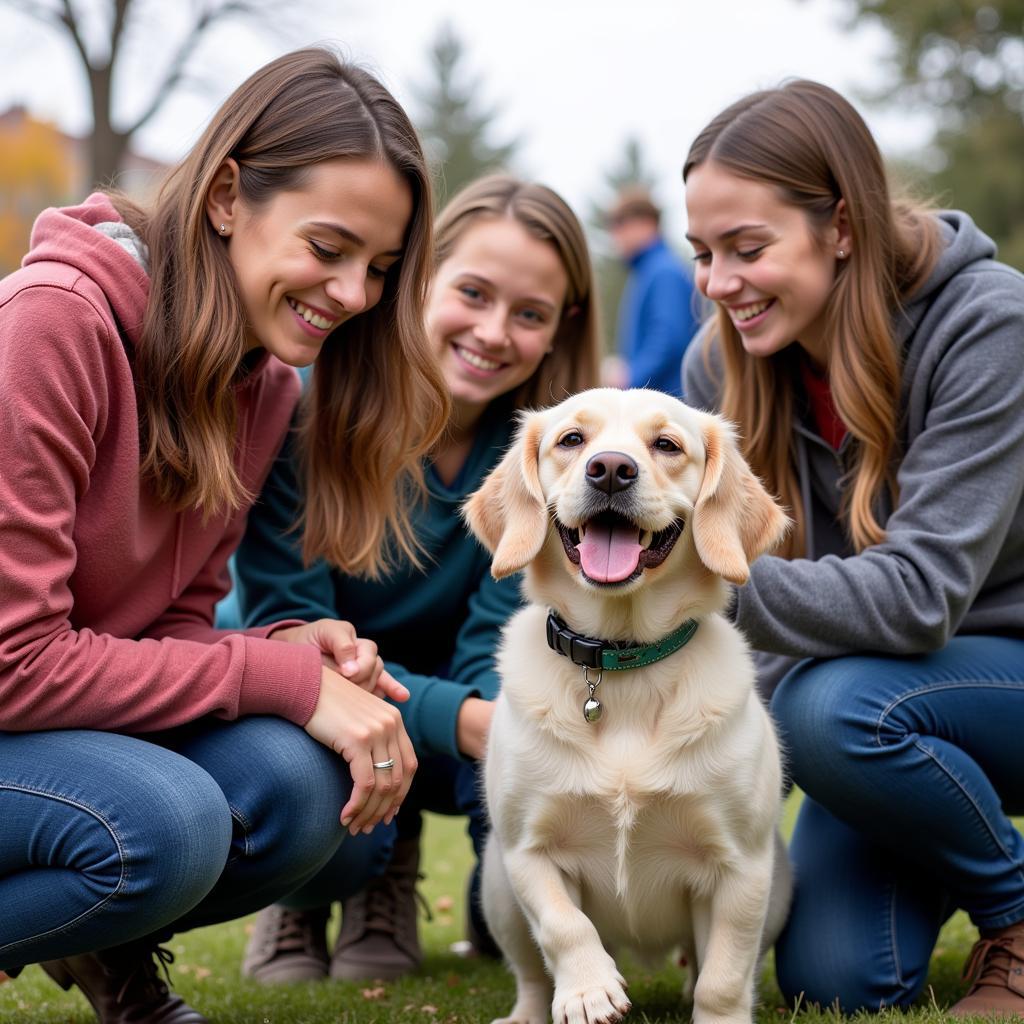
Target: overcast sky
x=572 y=78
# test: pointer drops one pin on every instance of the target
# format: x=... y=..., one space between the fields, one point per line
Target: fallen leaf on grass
x=374 y=993
x=444 y=903
x=427 y=1008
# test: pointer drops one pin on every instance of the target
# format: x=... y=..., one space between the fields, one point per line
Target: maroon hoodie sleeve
x=63 y=397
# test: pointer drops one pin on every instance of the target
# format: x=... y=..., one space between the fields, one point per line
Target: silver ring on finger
x=384 y=766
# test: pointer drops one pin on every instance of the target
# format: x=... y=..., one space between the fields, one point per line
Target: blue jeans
x=910 y=766
x=443 y=785
x=107 y=838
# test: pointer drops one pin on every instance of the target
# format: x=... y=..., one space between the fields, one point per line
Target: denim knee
x=137 y=833
x=181 y=839
x=296 y=791
x=825 y=717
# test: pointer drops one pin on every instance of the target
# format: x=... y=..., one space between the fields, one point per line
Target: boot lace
x=991 y=960
x=141 y=975
x=386 y=896
x=293 y=931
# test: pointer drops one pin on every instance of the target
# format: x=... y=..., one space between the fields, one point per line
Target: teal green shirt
x=437 y=629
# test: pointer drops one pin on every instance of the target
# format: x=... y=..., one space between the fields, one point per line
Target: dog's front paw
x=592 y=1001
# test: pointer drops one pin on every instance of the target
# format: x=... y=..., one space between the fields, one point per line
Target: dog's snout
x=611 y=472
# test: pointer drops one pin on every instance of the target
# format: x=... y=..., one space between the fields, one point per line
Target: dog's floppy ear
x=736 y=519
x=508 y=513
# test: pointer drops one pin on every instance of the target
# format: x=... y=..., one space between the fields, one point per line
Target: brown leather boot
x=124 y=986
x=287 y=945
x=378 y=936
x=996 y=970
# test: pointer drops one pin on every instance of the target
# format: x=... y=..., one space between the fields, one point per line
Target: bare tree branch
x=70 y=23
x=41 y=12
x=117 y=29
x=176 y=69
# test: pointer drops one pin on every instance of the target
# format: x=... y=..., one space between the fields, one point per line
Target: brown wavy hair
x=812 y=145
x=572 y=364
x=377 y=400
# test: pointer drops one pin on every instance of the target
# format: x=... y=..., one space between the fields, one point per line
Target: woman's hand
x=472 y=726
x=364 y=730
x=353 y=657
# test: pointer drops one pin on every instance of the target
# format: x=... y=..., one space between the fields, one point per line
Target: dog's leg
x=588 y=986
x=729 y=952
x=511 y=931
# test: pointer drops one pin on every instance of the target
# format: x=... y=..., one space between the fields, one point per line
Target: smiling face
x=761 y=259
x=493 y=309
x=621 y=472
x=624 y=507
x=313 y=257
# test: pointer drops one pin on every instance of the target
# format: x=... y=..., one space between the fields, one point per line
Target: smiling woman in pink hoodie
x=155 y=773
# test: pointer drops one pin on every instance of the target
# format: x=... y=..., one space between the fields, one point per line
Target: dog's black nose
x=611 y=472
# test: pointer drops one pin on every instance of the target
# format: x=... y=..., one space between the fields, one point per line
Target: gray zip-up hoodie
x=953 y=558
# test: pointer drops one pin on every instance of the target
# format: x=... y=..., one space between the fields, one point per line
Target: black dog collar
x=607 y=656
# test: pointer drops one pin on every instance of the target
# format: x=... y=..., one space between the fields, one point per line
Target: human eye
x=322 y=253
x=533 y=317
x=750 y=254
x=701 y=257
x=376 y=272
x=471 y=292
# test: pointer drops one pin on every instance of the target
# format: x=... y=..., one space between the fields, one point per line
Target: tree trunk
x=107 y=145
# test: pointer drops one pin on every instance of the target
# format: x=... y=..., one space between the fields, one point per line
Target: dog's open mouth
x=610 y=548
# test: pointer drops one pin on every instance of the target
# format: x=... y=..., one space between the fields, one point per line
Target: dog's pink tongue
x=609 y=554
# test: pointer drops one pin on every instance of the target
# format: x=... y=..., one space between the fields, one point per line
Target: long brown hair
x=813 y=146
x=572 y=364
x=377 y=401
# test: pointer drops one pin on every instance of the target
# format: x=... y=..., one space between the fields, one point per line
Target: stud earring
x=841 y=253
x=223 y=229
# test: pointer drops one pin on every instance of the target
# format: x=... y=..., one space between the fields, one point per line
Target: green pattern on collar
x=588 y=652
x=618 y=659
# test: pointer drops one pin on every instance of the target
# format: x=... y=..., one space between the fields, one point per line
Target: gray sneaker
x=378 y=936
x=287 y=945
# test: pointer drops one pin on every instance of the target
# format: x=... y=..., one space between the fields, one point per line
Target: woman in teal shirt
x=511 y=312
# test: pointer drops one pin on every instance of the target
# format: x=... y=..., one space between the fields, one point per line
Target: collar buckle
x=580 y=650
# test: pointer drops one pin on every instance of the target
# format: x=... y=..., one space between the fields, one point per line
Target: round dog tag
x=592 y=710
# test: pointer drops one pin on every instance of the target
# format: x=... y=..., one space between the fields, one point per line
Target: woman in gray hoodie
x=872 y=354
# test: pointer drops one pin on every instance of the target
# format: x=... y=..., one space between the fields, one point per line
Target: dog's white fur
x=654 y=828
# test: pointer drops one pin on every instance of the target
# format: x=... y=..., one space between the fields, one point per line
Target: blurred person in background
x=871 y=352
x=157 y=774
x=657 y=317
x=512 y=322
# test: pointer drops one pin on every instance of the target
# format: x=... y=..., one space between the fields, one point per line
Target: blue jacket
x=437 y=630
x=656 y=319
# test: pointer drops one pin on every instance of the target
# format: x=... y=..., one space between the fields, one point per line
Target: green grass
x=448 y=990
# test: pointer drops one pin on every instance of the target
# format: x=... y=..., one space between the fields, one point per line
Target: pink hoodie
x=106 y=596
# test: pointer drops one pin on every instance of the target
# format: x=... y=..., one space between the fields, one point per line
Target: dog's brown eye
x=666 y=444
x=571 y=440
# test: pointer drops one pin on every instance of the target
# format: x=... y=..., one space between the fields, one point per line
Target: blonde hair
x=377 y=401
x=572 y=364
x=814 y=147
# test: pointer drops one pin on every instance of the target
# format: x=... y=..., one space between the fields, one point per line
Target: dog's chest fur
x=645 y=808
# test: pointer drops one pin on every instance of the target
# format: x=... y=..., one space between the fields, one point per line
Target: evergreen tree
x=963 y=60
x=454 y=127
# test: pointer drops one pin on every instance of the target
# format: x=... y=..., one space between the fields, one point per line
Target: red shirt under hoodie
x=106 y=596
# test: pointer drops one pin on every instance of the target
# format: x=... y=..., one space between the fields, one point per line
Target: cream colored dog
x=630 y=806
